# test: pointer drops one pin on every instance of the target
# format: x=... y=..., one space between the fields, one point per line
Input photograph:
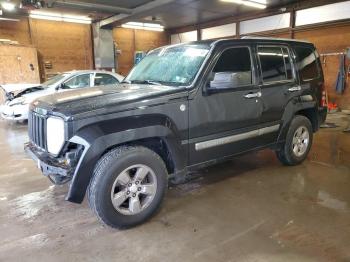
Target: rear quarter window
x=307 y=63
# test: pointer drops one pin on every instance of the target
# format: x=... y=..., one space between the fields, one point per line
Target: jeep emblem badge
x=182 y=107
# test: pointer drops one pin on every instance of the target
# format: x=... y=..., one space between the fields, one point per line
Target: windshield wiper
x=148 y=82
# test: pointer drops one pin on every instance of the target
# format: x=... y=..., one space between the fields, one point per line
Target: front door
x=79 y=81
x=224 y=118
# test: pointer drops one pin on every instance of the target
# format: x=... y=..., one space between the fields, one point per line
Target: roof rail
x=274 y=38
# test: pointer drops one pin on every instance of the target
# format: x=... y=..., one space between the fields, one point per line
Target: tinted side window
x=234 y=68
x=307 y=63
x=288 y=63
x=275 y=64
x=78 y=81
x=104 y=79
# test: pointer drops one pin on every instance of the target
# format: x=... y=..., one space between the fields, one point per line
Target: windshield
x=174 y=65
x=54 y=80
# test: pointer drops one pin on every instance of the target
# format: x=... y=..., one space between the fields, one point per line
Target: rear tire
x=298 y=142
x=128 y=186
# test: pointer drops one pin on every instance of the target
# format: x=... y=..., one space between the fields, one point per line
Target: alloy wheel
x=134 y=189
x=301 y=140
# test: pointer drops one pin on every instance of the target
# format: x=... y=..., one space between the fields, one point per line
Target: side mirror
x=218 y=81
x=209 y=88
x=61 y=86
x=225 y=80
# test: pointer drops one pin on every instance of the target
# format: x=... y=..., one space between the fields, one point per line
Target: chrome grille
x=37 y=129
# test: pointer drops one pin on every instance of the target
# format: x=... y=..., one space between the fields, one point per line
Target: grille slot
x=37 y=129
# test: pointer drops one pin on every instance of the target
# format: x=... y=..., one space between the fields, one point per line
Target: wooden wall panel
x=68 y=46
x=129 y=41
x=16 y=31
x=148 y=40
x=125 y=42
x=331 y=39
x=15 y=64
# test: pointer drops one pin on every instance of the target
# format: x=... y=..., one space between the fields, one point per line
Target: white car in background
x=17 y=105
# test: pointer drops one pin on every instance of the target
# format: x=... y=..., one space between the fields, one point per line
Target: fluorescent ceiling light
x=8 y=6
x=59 y=17
x=144 y=26
x=257 y=4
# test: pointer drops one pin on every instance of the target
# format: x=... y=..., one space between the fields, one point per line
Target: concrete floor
x=250 y=209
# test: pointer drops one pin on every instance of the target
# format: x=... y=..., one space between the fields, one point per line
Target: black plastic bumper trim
x=46 y=163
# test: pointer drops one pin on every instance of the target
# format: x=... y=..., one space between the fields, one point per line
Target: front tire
x=128 y=186
x=298 y=142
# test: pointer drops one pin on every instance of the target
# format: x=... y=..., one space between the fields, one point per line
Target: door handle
x=253 y=95
x=294 y=89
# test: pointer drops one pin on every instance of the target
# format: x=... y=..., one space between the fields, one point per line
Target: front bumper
x=16 y=112
x=58 y=171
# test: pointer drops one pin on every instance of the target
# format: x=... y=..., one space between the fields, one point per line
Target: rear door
x=278 y=83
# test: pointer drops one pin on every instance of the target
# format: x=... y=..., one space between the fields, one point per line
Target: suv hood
x=96 y=100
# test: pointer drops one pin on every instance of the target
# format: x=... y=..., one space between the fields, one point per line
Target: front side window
x=79 y=81
x=54 y=80
x=173 y=65
x=104 y=79
x=275 y=64
x=307 y=63
x=234 y=68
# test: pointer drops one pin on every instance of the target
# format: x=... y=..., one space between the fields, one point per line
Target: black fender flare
x=96 y=142
x=292 y=108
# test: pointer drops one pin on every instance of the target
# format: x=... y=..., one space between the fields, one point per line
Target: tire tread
x=112 y=155
x=284 y=155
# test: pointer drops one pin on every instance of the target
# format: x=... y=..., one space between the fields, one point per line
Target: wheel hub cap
x=134 y=189
x=301 y=141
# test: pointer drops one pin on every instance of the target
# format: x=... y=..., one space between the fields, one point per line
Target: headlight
x=54 y=134
x=18 y=101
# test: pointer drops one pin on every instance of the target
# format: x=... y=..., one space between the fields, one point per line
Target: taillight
x=324 y=99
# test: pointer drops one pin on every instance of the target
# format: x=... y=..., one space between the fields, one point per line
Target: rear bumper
x=59 y=172
x=322 y=115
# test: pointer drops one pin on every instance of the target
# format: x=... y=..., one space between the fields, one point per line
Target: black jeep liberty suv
x=181 y=108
